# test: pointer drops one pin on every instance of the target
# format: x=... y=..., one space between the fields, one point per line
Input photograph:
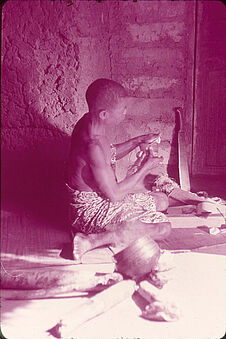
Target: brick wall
x=152 y=45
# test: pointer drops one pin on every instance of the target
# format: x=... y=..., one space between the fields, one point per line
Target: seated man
x=102 y=210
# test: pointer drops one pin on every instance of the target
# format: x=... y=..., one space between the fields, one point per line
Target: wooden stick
x=93 y=307
x=80 y=284
x=182 y=150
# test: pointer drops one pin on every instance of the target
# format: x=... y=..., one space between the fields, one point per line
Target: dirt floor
x=23 y=236
x=28 y=243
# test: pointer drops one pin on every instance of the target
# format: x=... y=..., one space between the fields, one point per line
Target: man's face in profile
x=118 y=112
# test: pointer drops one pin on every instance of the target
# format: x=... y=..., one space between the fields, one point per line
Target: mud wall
x=50 y=54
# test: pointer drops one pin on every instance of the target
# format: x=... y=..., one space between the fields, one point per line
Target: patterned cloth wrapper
x=92 y=213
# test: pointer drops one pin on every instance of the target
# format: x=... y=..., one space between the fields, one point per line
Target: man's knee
x=161 y=201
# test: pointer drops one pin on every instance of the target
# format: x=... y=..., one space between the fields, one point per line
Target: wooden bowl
x=138 y=259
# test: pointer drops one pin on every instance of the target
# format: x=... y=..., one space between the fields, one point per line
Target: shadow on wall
x=34 y=153
x=33 y=178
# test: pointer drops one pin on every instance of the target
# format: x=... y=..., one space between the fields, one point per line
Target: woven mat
x=191 y=238
x=25 y=243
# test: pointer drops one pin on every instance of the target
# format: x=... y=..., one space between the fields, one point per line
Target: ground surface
x=27 y=242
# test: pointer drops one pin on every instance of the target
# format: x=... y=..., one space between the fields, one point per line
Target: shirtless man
x=104 y=211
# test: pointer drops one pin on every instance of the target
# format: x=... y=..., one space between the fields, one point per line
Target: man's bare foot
x=81 y=245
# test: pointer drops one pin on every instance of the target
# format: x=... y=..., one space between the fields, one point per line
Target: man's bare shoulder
x=94 y=145
x=95 y=152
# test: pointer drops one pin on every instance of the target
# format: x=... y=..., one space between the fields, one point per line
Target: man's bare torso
x=79 y=174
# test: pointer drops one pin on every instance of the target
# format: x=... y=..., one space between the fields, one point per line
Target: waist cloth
x=90 y=212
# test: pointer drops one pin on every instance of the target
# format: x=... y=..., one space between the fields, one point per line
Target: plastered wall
x=50 y=54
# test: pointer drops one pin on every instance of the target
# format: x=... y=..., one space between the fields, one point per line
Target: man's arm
x=126 y=147
x=105 y=177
